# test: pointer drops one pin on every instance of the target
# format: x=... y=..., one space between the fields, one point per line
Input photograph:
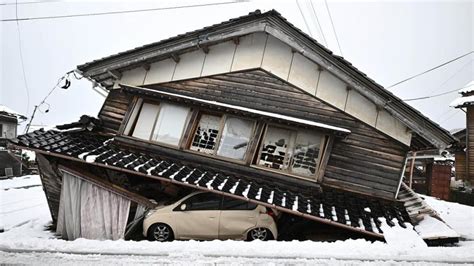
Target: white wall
x=260 y=50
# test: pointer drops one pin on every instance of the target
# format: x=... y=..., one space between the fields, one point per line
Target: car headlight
x=149 y=213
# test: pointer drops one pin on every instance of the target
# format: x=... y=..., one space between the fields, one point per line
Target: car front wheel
x=160 y=232
x=259 y=233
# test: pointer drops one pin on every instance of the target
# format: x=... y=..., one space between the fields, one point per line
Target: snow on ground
x=460 y=217
x=24 y=215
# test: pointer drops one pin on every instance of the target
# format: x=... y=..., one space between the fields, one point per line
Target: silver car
x=206 y=216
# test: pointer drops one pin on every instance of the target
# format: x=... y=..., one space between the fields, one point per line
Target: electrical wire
x=431 y=96
x=302 y=15
x=30 y=2
x=333 y=28
x=317 y=21
x=449 y=117
x=118 y=12
x=25 y=82
x=440 y=86
x=429 y=70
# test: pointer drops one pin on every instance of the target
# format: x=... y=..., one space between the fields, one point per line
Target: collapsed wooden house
x=251 y=108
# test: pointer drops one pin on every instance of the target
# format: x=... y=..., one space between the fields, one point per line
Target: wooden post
x=412 y=166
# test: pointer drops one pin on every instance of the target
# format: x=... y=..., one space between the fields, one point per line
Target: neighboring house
x=10 y=162
x=251 y=108
x=465 y=149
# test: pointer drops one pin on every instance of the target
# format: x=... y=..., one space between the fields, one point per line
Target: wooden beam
x=91 y=178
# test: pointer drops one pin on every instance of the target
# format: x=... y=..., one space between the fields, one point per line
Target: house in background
x=10 y=161
x=251 y=108
x=465 y=150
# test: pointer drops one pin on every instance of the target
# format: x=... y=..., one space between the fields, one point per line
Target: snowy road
x=54 y=258
x=24 y=215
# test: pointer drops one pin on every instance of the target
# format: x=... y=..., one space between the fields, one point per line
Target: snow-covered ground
x=24 y=214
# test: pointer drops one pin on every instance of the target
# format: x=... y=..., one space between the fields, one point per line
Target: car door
x=200 y=219
x=237 y=216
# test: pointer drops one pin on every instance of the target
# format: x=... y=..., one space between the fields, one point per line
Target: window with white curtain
x=163 y=123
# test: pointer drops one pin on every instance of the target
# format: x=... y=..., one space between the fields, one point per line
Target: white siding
x=304 y=74
x=219 y=59
x=332 y=90
x=361 y=108
x=393 y=127
x=161 y=71
x=249 y=52
x=190 y=65
x=277 y=58
x=133 y=77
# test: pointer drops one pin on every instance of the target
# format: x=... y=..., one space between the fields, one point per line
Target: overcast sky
x=389 y=41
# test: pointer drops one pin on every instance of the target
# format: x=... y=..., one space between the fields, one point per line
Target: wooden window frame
x=223 y=119
x=138 y=102
x=323 y=155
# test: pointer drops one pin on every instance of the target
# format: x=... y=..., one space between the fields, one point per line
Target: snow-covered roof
x=467 y=88
x=10 y=111
x=245 y=109
x=462 y=101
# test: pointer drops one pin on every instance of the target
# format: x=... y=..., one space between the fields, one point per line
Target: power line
x=30 y=2
x=429 y=70
x=333 y=28
x=117 y=12
x=319 y=25
x=440 y=86
x=25 y=82
x=431 y=96
x=302 y=15
x=447 y=118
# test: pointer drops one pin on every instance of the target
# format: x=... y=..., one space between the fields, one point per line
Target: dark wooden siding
x=470 y=142
x=366 y=161
x=113 y=110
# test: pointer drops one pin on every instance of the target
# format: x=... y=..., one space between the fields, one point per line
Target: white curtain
x=89 y=211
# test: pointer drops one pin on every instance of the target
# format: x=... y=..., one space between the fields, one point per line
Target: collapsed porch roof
x=348 y=210
x=175 y=96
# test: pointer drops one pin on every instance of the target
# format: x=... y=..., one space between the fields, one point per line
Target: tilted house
x=251 y=108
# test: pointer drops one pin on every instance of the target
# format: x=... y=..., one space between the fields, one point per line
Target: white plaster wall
x=249 y=52
x=361 y=108
x=393 y=127
x=219 y=59
x=332 y=90
x=304 y=73
x=133 y=77
x=189 y=65
x=161 y=71
x=277 y=58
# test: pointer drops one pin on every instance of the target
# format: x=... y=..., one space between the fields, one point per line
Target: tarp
x=89 y=211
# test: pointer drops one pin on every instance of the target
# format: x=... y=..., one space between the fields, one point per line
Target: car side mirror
x=183 y=207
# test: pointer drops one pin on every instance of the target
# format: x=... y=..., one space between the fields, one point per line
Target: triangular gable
x=269 y=42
